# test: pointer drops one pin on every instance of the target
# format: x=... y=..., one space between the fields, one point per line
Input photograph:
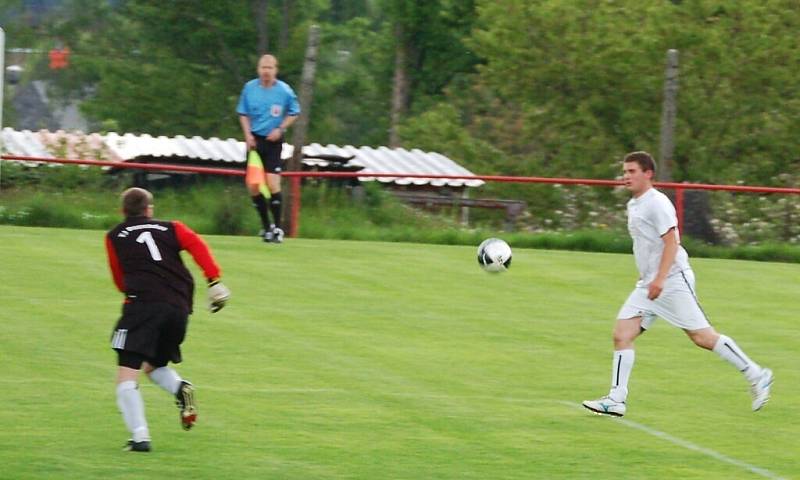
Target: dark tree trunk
x=400 y=85
x=260 y=8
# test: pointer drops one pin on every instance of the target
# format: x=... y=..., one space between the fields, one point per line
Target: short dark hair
x=135 y=201
x=644 y=159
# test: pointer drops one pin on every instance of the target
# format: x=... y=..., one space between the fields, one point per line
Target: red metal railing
x=294 y=180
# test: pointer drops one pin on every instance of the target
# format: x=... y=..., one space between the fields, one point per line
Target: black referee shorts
x=270 y=153
x=154 y=330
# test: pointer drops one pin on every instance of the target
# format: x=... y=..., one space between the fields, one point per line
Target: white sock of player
x=727 y=349
x=129 y=401
x=166 y=378
x=620 y=373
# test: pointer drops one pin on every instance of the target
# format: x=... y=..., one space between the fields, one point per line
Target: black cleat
x=132 y=446
x=185 y=401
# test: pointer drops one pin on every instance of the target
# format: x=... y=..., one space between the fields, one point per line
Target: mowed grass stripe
x=340 y=359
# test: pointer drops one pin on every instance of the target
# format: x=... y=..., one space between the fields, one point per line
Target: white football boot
x=760 y=389
x=606 y=406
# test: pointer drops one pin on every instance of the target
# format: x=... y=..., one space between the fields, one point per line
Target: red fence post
x=679 y=208
x=294 y=221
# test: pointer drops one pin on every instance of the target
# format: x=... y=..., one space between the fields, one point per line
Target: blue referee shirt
x=267 y=106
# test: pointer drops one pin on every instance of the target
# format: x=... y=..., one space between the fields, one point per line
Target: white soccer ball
x=494 y=255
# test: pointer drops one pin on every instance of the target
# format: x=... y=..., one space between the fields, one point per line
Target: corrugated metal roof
x=130 y=147
x=24 y=143
x=397 y=160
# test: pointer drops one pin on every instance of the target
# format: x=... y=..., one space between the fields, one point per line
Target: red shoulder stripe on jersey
x=113 y=263
x=197 y=247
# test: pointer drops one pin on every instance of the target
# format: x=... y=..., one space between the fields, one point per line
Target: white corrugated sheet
x=398 y=160
x=24 y=143
x=214 y=150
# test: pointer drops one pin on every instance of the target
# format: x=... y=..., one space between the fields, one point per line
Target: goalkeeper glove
x=218 y=294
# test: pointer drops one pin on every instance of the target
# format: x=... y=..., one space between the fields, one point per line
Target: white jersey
x=649 y=217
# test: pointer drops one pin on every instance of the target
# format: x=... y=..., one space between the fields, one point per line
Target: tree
x=568 y=87
x=428 y=50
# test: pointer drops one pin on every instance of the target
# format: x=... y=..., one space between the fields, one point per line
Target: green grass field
x=339 y=359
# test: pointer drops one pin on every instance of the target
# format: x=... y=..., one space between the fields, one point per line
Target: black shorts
x=270 y=153
x=154 y=330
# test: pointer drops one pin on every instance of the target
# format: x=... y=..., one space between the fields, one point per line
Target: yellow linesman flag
x=255 y=173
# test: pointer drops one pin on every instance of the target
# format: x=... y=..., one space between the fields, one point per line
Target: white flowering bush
x=737 y=218
x=754 y=219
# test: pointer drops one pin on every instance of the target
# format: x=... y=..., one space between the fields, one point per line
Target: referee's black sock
x=275 y=208
x=260 y=204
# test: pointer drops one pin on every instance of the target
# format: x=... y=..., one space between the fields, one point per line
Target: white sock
x=620 y=373
x=727 y=349
x=129 y=401
x=166 y=378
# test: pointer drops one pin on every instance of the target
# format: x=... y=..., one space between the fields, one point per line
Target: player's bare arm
x=667 y=259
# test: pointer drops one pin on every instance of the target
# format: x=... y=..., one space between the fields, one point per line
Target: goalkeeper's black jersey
x=145 y=261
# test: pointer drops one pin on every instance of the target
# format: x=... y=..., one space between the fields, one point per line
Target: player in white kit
x=665 y=289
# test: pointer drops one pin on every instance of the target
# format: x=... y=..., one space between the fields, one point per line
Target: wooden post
x=400 y=85
x=668 y=114
x=260 y=8
x=300 y=127
x=465 y=209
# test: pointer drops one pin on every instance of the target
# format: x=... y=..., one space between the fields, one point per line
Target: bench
x=513 y=208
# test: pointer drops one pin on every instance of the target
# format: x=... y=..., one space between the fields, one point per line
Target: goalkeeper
x=145 y=262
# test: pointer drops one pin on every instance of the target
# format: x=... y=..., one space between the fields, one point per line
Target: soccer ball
x=494 y=255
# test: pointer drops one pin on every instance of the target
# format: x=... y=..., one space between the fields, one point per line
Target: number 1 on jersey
x=147 y=239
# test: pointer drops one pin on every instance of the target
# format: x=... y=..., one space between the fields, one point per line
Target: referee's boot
x=606 y=406
x=186 y=404
x=760 y=390
x=277 y=235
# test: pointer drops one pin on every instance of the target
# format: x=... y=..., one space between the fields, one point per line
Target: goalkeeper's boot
x=606 y=406
x=761 y=388
x=132 y=446
x=277 y=235
x=267 y=235
x=186 y=404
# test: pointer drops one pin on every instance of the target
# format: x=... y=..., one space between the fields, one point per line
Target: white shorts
x=677 y=304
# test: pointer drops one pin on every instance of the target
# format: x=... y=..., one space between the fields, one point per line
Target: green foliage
x=434 y=33
x=352 y=91
x=556 y=88
x=229 y=218
x=53 y=176
x=336 y=212
x=169 y=68
x=568 y=88
x=438 y=130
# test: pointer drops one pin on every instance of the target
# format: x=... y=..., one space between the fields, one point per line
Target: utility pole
x=2 y=88
x=668 y=114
